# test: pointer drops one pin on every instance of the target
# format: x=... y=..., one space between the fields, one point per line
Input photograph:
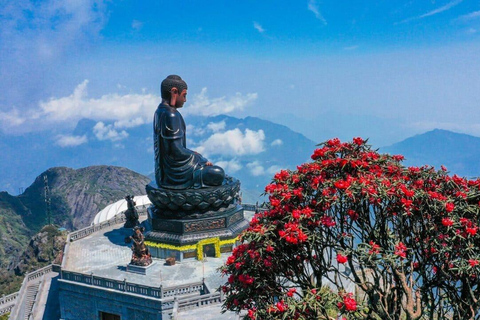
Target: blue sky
x=380 y=69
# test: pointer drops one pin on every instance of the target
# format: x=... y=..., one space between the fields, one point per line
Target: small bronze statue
x=131 y=214
x=177 y=167
x=140 y=254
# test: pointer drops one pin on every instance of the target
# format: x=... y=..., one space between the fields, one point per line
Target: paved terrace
x=105 y=254
x=100 y=252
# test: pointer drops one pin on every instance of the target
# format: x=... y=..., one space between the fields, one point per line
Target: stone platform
x=195 y=238
x=139 y=269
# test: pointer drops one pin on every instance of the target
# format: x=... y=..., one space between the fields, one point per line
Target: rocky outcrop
x=44 y=248
x=76 y=197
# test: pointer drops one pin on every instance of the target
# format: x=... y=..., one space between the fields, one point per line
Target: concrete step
x=31 y=294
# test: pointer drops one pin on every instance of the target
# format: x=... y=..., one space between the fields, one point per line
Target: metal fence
x=7 y=303
x=118 y=218
x=124 y=286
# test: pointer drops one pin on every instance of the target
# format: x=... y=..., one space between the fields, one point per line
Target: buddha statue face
x=178 y=99
x=174 y=91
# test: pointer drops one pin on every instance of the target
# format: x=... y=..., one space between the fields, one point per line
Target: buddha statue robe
x=176 y=166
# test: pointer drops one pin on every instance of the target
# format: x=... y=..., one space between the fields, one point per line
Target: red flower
x=401 y=250
x=375 y=248
x=449 y=206
x=270 y=248
x=398 y=157
x=230 y=260
x=407 y=203
x=353 y=215
x=291 y=292
x=342 y=184
x=472 y=231
x=318 y=153
x=341 y=258
x=333 y=142
x=282 y=175
x=358 y=141
x=281 y=306
x=251 y=314
x=348 y=302
x=447 y=222
x=274 y=202
x=328 y=221
x=473 y=262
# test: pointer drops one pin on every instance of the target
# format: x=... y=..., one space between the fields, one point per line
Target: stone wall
x=79 y=302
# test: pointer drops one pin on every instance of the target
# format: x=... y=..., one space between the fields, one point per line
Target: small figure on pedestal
x=140 y=254
x=131 y=214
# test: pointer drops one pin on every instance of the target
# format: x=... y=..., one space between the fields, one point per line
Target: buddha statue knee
x=210 y=176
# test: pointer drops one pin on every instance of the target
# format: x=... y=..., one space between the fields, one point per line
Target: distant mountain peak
x=459 y=152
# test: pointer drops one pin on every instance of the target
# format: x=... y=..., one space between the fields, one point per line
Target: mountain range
x=250 y=149
x=76 y=197
x=458 y=152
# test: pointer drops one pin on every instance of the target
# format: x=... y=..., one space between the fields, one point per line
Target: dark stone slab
x=222 y=220
x=182 y=232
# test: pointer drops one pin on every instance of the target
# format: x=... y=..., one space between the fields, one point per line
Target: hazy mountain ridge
x=35 y=152
x=459 y=152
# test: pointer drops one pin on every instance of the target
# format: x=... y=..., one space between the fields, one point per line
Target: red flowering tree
x=358 y=234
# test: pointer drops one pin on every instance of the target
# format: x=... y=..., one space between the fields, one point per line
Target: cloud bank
x=202 y=105
x=233 y=143
x=70 y=141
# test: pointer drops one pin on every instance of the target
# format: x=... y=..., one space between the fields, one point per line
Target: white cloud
x=108 y=132
x=276 y=142
x=469 y=16
x=204 y=106
x=217 y=126
x=51 y=27
x=194 y=131
x=126 y=111
x=70 y=141
x=274 y=169
x=314 y=7
x=446 y=7
x=11 y=118
x=233 y=143
x=231 y=166
x=137 y=25
x=113 y=107
x=258 y=27
x=135 y=122
x=256 y=169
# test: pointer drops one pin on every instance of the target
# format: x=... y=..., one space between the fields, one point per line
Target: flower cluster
x=355 y=208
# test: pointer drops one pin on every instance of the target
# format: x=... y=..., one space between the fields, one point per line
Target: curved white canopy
x=115 y=208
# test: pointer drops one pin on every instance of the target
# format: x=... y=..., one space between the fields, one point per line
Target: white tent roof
x=115 y=208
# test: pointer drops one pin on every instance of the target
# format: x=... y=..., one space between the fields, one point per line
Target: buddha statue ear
x=173 y=96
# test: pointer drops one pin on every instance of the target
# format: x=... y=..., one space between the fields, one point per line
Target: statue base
x=139 y=269
x=194 y=238
x=131 y=223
